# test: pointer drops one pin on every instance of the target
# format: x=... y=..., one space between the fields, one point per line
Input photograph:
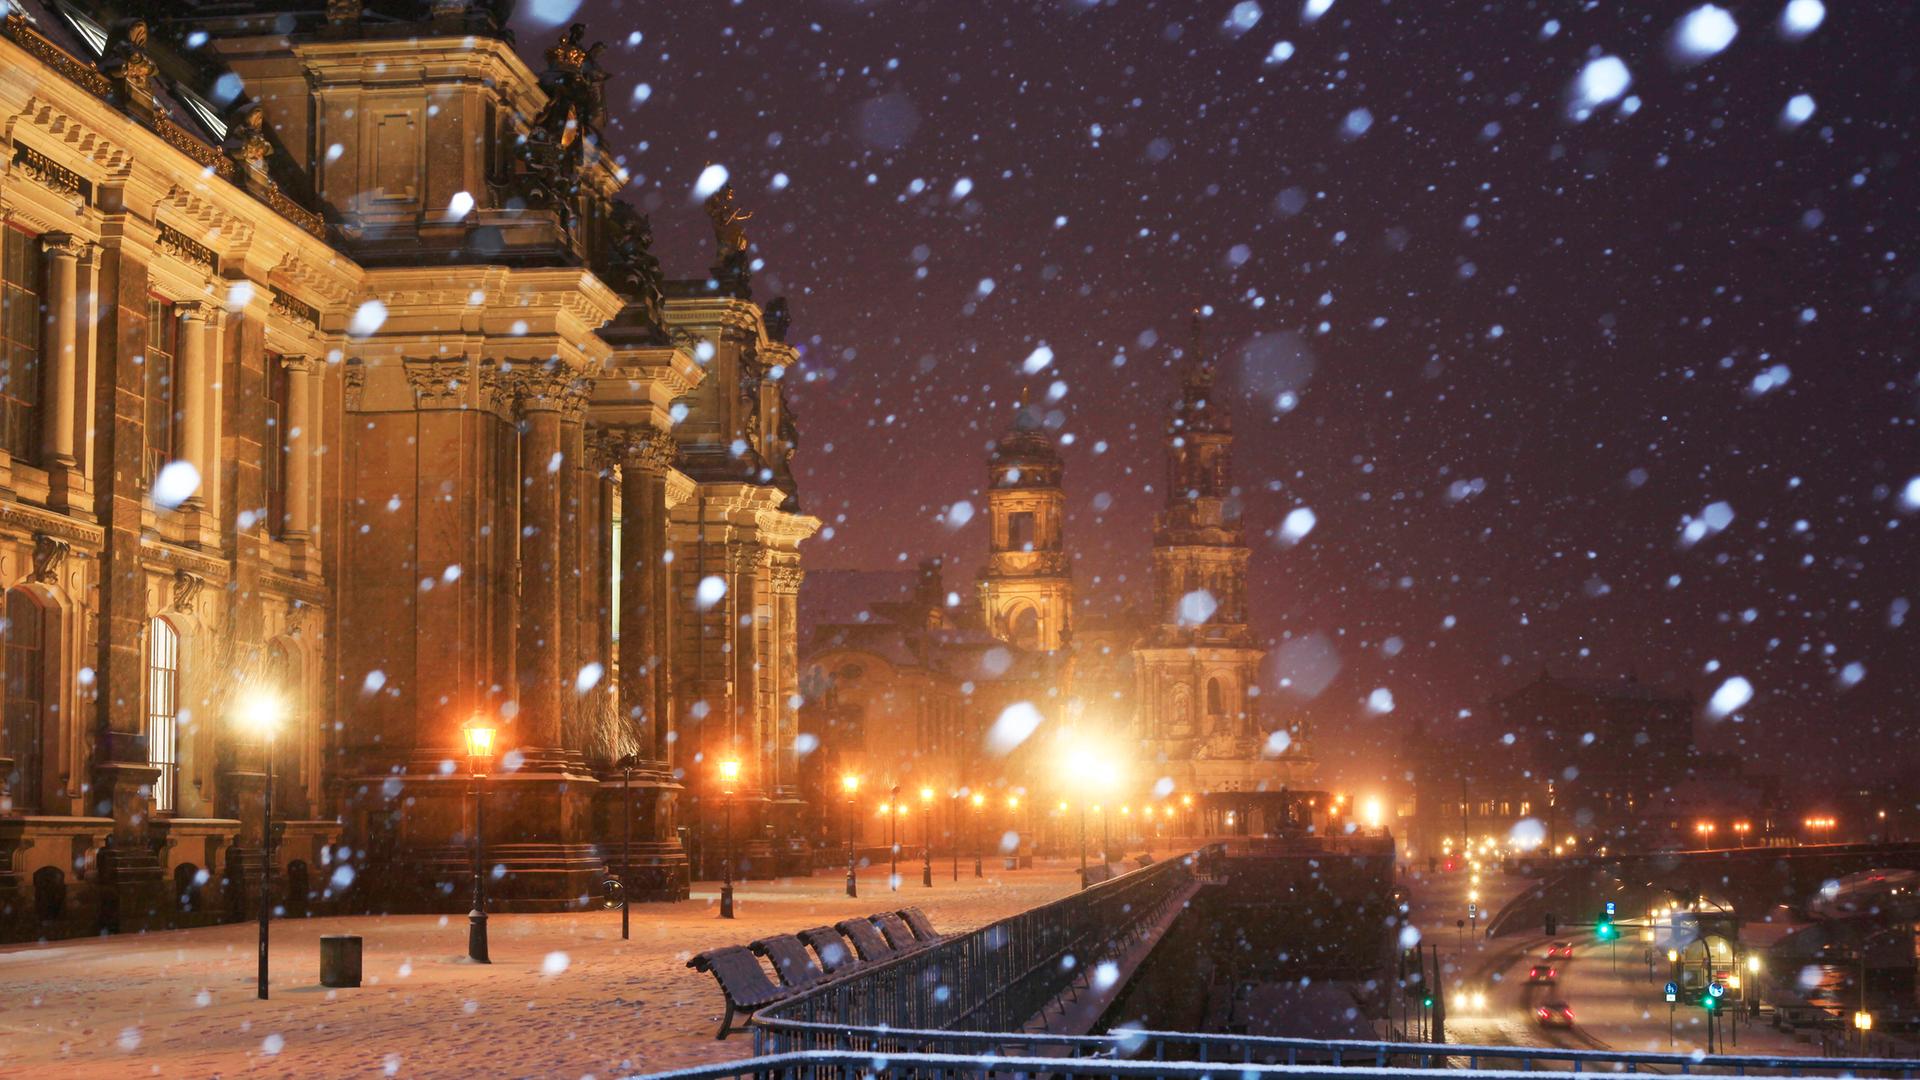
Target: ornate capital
x=63 y=245
x=787 y=577
x=544 y=389
x=353 y=376
x=437 y=384
x=642 y=447
x=193 y=310
x=300 y=365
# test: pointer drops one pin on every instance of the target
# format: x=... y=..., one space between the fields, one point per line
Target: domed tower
x=1026 y=590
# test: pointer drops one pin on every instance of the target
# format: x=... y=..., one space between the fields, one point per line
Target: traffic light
x=1709 y=1001
x=1605 y=931
x=1426 y=1001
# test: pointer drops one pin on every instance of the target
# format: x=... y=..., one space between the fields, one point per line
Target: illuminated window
x=163 y=713
x=26 y=699
x=163 y=338
x=20 y=322
x=1020 y=531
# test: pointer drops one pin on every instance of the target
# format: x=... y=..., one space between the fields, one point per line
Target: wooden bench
x=743 y=982
x=790 y=959
x=921 y=926
x=832 y=949
x=897 y=932
x=867 y=940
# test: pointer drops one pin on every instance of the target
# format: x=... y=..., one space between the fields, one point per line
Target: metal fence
x=847 y=1065
x=1351 y=1054
x=995 y=978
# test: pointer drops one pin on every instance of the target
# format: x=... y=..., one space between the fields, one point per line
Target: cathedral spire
x=1194 y=410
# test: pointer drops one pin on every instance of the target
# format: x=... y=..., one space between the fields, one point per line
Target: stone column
x=189 y=394
x=568 y=572
x=541 y=397
x=63 y=254
x=302 y=373
x=645 y=454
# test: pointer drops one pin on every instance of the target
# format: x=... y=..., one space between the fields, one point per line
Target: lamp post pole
x=852 y=786
x=1106 y=838
x=978 y=803
x=477 y=918
x=893 y=841
x=926 y=837
x=626 y=848
x=1083 y=845
x=266 y=865
x=726 y=869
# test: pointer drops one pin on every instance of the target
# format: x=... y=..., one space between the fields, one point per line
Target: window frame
x=163 y=712
x=23 y=284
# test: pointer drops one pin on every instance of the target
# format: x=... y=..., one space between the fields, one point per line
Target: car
x=1560 y=950
x=1554 y=1014
x=1542 y=975
x=1466 y=1003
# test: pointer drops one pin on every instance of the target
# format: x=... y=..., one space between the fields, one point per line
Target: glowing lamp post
x=1186 y=804
x=1013 y=823
x=851 y=785
x=479 y=738
x=979 y=803
x=729 y=780
x=926 y=837
x=893 y=837
x=261 y=712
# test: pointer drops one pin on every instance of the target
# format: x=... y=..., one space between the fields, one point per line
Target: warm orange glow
x=979 y=800
x=479 y=736
x=885 y=809
x=1186 y=800
x=850 y=784
x=729 y=772
x=1013 y=802
x=926 y=794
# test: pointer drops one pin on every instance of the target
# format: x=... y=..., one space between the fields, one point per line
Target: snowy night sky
x=1505 y=342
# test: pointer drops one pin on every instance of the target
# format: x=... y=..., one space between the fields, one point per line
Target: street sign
x=1673 y=992
x=1609 y=909
x=1473 y=909
x=1716 y=989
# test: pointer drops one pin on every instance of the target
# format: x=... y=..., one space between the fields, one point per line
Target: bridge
x=1031 y=995
x=1745 y=882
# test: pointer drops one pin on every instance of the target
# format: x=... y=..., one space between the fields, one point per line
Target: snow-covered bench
x=743 y=982
x=791 y=962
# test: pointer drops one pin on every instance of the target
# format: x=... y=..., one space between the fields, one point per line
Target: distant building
x=909 y=685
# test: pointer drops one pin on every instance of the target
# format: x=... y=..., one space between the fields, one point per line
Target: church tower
x=1197 y=671
x=1026 y=590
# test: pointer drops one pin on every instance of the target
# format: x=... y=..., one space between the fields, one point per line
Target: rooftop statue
x=729 y=234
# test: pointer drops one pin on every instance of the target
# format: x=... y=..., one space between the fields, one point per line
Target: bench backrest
x=791 y=960
x=831 y=948
x=921 y=926
x=740 y=976
x=896 y=930
x=866 y=939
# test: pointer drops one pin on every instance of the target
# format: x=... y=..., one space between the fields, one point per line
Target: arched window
x=1024 y=628
x=26 y=707
x=163 y=713
x=1216 y=701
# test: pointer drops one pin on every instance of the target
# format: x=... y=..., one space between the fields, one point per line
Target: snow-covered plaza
x=564 y=996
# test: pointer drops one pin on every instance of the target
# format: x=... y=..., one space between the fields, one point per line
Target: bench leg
x=726 y=1024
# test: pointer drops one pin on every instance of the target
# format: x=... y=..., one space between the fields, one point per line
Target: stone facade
x=365 y=390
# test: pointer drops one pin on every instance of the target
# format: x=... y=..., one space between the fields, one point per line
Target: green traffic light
x=1709 y=1002
x=1605 y=931
x=1427 y=1002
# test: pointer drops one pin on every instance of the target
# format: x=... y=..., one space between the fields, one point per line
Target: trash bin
x=339 y=960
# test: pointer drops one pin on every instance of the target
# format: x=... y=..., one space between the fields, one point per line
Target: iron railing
x=1347 y=1054
x=995 y=978
x=848 y=1065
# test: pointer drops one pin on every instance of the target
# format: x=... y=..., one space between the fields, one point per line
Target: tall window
x=163 y=338
x=277 y=435
x=26 y=699
x=163 y=713
x=20 y=321
x=1216 y=701
x=1020 y=530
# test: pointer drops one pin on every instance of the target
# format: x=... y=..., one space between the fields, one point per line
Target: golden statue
x=729 y=233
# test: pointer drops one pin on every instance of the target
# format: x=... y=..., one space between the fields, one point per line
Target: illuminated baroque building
x=331 y=366
x=907 y=685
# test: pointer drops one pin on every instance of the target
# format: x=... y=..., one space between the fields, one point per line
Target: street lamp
x=926 y=836
x=625 y=765
x=729 y=779
x=1740 y=829
x=1705 y=829
x=851 y=785
x=1186 y=803
x=893 y=836
x=261 y=712
x=479 y=737
x=979 y=802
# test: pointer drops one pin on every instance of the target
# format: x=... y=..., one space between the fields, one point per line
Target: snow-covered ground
x=564 y=997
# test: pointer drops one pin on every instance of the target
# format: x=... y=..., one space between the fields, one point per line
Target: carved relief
x=354 y=378
x=787 y=577
x=186 y=589
x=49 y=555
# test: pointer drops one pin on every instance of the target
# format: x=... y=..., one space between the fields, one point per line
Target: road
x=1616 y=1004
